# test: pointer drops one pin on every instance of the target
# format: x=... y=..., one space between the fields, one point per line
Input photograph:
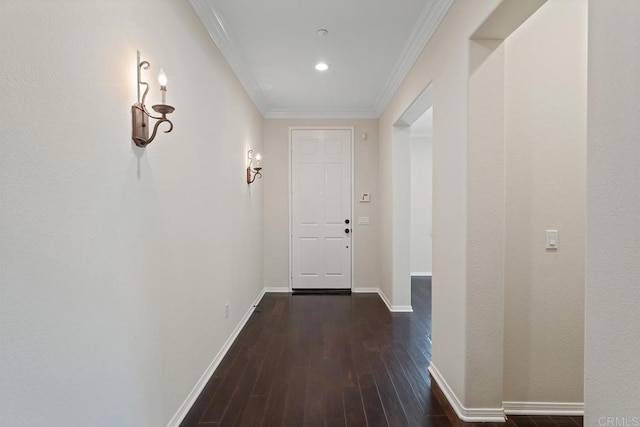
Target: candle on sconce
x=162 y=79
x=141 y=117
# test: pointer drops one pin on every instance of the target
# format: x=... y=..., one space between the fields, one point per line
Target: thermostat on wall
x=364 y=198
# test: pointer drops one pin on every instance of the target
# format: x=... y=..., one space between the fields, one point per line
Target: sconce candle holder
x=140 y=114
x=253 y=170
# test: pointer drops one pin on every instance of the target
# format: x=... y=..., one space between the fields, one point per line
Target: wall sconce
x=140 y=114
x=254 y=168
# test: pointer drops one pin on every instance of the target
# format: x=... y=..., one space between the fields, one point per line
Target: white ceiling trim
x=214 y=24
x=425 y=28
x=302 y=114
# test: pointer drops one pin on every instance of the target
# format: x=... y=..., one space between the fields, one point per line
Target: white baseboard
x=365 y=290
x=474 y=415
x=383 y=297
x=401 y=309
x=394 y=308
x=282 y=289
x=543 y=408
x=206 y=376
x=421 y=274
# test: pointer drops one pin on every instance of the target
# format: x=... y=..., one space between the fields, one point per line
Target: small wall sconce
x=140 y=114
x=254 y=168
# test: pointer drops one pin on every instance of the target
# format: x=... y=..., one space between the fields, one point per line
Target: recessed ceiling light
x=322 y=32
x=321 y=66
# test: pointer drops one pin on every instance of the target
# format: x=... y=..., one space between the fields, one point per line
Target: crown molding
x=425 y=28
x=276 y=113
x=214 y=24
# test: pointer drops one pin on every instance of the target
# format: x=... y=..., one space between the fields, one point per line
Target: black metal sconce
x=253 y=170
x=140 y=114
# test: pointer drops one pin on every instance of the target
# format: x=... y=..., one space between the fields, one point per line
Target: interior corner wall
x=276 y=198
x=421 y=204
x=400 y=296
x=612 y=344
x=485 y=225
x=545 y=139
x=445 y=62
x=116 y=261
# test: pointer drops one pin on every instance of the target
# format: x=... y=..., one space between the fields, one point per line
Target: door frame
x=351 y=189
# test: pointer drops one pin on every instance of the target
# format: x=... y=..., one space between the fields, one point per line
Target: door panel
x=309 y=254
x=321 y=202
x=334 y=194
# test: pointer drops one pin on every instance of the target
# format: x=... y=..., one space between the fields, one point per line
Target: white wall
x=421 y=189
x=117 y=261
x=545 y=139
x=276 y=199
x=445 y=61
x=474 y=224
x=485 y=225
x=612 y=345
x=400 y=244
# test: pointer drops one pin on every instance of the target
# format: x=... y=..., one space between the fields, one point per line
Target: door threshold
x=299 y=291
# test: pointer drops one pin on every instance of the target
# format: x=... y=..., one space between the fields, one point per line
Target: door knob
x=346 y=221
x=346 y=230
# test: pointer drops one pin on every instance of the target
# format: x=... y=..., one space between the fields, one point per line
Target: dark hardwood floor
x=333 y=360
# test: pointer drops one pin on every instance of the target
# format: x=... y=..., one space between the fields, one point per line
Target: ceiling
x=273 y=46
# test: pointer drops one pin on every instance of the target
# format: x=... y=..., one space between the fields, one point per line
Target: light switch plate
x=364 y=198
x=552 y=239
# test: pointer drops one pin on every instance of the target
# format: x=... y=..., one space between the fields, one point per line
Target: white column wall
x=545 y=139
x=612 y=333
x=445 y=62
x=421 y=204
x=485 y=226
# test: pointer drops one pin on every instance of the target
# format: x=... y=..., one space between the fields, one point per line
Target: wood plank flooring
x=332 y=360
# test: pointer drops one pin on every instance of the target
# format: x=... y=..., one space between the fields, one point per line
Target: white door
x=321 y=208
